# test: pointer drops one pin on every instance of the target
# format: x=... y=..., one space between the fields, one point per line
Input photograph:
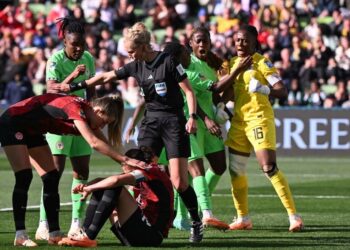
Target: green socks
x=78 y=206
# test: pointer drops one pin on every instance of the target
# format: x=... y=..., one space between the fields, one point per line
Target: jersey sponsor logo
x=19 y=136
x=269 y=64
x=180 y=69
x=161 y=88
x=59 y=145
x=150 y=77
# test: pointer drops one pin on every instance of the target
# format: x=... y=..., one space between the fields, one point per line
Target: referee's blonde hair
x=138 y=35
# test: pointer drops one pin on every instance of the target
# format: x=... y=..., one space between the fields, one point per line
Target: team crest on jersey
x=180 y=69
x=269 y=64
x=161 y=88
x=52 y=65
x=59 y=145
x=19 y=136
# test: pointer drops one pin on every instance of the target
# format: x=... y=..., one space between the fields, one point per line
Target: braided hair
x=69 y=25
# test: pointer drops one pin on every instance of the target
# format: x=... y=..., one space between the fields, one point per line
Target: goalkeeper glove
x=256 y=87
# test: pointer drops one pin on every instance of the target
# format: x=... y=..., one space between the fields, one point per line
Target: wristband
x=194 y=116
x=77 y=85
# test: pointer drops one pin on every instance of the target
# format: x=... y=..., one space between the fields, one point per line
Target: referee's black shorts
x=161 y=129
x=136 y=231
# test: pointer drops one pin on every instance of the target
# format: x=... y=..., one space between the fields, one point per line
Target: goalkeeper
x=253 y=127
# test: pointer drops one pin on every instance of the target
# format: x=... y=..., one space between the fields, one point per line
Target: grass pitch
x=320 y=187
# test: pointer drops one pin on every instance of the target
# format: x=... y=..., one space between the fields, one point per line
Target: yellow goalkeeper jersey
x=250 y=106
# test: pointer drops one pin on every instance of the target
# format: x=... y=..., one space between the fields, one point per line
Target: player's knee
x=23 y=179
x=50 y=182
x=237 y=164
x=270 y=169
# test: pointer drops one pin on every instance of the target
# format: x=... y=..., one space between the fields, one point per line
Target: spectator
x=164 y=15
x=19 y=88
x=125 y=16
x=295 y=95
x=108 y=14
x=341 y=94
x=107 y=41
x=315 y=97
x=330 y=102
x=36 y=72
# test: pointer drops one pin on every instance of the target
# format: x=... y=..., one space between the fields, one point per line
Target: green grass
x=320 y=187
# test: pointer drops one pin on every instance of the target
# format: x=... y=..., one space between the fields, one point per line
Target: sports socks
x=20 y=197
x=78 y=205
x=51 y=199
x=190 y=200
x=281 y=186
x=239 y=189
x=201 y=189
x=103 y=210
x=212 y=180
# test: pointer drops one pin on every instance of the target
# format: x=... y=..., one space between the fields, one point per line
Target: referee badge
x=161 y=88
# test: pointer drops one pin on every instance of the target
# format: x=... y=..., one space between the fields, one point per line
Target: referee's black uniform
x=164 y=121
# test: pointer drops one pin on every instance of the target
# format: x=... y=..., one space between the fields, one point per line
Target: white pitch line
x=225 y=195
x=295 y=196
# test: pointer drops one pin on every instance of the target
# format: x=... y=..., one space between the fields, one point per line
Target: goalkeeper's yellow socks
x=239 y=189
x=280 y=184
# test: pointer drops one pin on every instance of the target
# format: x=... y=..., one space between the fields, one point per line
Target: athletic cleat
x=73 y=231
x=241 y=224
x=296 y=223
x=42 y=232
x=78 y=240
x=24 y=241
x=55 y=237
x=182 y=224
x=215 y=223
x=196 y=235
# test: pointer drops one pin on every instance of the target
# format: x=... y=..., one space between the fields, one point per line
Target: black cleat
x=196 y=235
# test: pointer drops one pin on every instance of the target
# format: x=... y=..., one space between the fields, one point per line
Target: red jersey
x=155 y=197
x=52 y=113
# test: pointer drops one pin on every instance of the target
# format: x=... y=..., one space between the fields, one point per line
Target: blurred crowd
x=308 y=41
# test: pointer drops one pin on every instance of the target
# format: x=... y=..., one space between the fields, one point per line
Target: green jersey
x=202 y=77
x=59 y=67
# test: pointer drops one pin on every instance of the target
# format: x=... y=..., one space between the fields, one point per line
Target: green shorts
x=68 y=145
x=204 y=143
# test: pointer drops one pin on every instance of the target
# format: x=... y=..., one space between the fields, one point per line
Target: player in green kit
x=71 y=64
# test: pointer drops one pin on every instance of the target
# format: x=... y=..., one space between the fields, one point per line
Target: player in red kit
x=141 y=221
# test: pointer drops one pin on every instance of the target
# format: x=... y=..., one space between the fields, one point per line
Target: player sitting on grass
x=142 y=223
